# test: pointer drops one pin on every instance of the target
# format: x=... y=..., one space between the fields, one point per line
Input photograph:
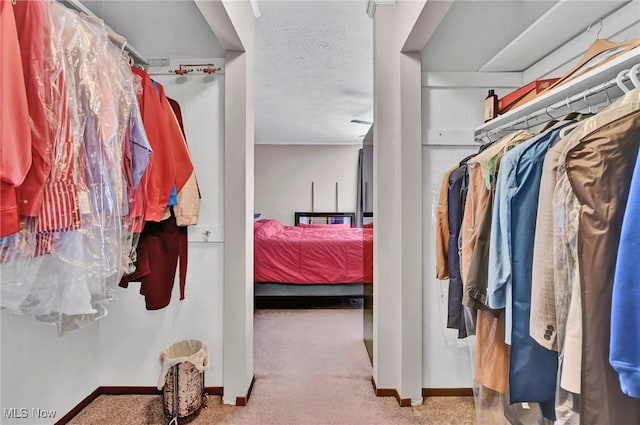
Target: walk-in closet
x=485 y=153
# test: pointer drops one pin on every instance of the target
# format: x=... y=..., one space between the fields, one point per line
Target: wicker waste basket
x=182 y=378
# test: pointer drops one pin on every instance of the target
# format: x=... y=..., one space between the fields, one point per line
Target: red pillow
x=267 y=227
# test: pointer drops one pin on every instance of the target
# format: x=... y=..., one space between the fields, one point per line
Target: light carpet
x=311 y=368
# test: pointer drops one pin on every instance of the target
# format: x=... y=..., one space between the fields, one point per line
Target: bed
x=322 y=256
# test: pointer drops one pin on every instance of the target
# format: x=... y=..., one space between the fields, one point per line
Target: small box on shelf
x=512 y=99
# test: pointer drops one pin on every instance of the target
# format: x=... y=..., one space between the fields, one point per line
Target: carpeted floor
x=311 y=368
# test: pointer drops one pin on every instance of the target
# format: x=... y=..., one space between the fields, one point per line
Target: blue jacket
x=624 y=354
x=533 y=369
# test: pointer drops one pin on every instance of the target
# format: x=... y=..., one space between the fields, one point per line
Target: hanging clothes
x=624 y=354
x=188 y=197
x=456 y=198
x=162 y=173
x=611 y=148
x=442 y=229
x=30 y=18
x=510 y=262
x=161 y=248
x=544 y=324
x=482 y=169
x=447 y=250
x=491 y=353
x=163 y=245
x=74 y=236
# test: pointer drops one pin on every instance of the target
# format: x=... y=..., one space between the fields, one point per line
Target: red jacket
x=161 y=170
x=170 y=162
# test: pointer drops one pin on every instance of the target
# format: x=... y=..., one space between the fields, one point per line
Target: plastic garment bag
x=63 y=266
x=490 y=352
x=490 y=384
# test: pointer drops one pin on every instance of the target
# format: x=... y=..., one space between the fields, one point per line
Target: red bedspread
x=328 y=254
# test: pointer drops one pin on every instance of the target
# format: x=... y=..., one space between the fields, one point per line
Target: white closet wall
x=42 y=370
x=131 y=338
x=284 y=174
x=451 y=109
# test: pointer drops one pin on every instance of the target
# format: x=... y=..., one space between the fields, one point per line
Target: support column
x=238 y=231
x=233 y=24
x=397 y=204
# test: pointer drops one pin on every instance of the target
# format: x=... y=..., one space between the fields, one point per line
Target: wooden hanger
x=597 y=48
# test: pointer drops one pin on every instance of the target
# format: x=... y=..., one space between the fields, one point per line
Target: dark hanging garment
x=456 y=202
x=162 y=246
x=178 y=111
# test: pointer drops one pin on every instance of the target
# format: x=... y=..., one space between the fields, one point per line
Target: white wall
x=450 y=112
x=283 y=176
x=42 y=370
x=131 y=338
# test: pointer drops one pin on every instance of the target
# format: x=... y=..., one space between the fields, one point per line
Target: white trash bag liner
x=182 y=378
x=190 y=350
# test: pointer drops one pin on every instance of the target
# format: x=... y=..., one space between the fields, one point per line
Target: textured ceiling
x=314 y=71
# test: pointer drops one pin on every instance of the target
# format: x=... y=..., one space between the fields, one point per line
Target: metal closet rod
x=79 y=7
x=590 y=97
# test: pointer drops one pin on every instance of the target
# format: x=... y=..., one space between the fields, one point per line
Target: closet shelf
x=574 y=87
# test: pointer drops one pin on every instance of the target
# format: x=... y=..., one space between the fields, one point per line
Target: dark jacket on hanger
x=455 y=202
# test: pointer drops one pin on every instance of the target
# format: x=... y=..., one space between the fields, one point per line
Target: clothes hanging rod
x=593 y=96
x=81 y=8
x=573 y=88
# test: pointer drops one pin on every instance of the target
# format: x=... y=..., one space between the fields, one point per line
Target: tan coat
x=481 y=171
x=442 y=229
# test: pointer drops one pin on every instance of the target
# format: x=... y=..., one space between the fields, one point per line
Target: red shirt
x=34 y=44
x=15 y=132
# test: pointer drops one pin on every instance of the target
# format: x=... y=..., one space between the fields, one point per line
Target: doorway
x=314 y=106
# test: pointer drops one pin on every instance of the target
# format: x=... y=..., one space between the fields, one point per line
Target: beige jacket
x=481 y=172
x=442 y=229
